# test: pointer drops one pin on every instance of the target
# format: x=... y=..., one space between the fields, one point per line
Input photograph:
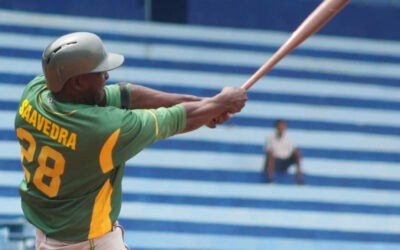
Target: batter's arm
x=147 y=98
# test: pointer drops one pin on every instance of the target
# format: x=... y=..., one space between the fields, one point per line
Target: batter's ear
x=77 y=84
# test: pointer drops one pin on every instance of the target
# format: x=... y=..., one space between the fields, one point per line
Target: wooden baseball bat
x=316 y=20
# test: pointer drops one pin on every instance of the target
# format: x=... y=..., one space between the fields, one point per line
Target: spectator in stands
x=280 y=153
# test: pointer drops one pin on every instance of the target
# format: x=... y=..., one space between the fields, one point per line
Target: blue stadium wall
x=358 y=19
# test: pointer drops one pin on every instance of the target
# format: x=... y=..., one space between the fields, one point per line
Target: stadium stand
x=16 y=234
x=205 y=190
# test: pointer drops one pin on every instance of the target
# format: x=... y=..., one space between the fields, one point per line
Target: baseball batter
x=76 y=133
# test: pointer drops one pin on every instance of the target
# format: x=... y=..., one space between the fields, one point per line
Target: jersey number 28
x=46 y=178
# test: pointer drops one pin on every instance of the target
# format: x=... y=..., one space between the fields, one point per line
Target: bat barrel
x=315 y=21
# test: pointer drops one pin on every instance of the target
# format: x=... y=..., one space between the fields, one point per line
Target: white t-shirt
x=281 y=147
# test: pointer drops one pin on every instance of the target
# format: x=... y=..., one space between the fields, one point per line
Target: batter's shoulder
x=36 y=84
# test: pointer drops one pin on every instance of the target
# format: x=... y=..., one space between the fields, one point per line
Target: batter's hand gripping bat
x=316 y=20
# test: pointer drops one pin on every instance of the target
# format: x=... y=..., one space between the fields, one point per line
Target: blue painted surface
x=256 y=14
x=215 y=210
x=286 y=15
x=121 y=9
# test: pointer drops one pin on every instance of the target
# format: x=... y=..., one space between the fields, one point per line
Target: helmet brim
x=111 y=62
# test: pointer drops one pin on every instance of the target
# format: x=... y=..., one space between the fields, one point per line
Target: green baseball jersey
x=73 y=157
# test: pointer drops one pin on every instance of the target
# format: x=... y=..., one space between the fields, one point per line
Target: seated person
x=281 y=153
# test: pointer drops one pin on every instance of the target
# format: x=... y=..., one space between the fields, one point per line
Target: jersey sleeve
x=118 y=95
x=141 y=128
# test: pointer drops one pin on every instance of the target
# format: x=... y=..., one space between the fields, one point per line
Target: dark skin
x=84 y=89
x=89 y=89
